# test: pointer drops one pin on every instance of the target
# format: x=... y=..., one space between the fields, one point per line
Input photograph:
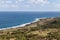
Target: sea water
x=10 y=19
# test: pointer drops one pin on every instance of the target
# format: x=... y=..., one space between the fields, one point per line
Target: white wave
x=22 y=25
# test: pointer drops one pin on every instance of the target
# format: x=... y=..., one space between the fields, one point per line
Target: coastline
x=22 y=25
x=41 y=28
x=25 y=24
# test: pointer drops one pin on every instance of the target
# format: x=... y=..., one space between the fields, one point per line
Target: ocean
x=10 y=19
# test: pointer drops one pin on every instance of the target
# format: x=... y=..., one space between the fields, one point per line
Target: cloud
x=5 y=4
x=38 y=1
x=20 y=0
x=56 y=4
x=23 y=3
x=29 y=4
x=8 y=2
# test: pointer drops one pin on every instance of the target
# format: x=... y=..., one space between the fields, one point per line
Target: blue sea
x=10 y=19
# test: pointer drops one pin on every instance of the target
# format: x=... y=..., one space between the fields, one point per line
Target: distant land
x=42 y=29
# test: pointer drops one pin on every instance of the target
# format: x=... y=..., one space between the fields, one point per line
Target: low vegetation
x=49 y=31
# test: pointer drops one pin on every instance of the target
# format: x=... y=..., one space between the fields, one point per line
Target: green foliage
x=35 y=28
x=23 y=34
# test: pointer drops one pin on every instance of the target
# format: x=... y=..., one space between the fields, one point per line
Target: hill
x=44 y=29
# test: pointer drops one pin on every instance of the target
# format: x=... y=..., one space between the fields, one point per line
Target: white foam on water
x=22 y=25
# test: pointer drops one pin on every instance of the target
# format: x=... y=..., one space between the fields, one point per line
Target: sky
x=29 y=5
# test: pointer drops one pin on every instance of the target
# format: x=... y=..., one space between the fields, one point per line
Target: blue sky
x=29 y=5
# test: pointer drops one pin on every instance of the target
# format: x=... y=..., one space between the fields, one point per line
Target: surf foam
x=22 y=25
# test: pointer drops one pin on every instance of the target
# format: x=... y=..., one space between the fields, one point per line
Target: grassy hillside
x=49 y=31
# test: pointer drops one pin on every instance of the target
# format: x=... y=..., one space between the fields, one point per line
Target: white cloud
x=57 y=4
x=1 y=1
x=20 y=0
x=8 y=4
x=29 y=4
x=38 y=1
x=54 y=5
x=15 y=6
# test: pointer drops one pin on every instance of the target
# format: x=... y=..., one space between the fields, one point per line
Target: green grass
x=51 y=29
